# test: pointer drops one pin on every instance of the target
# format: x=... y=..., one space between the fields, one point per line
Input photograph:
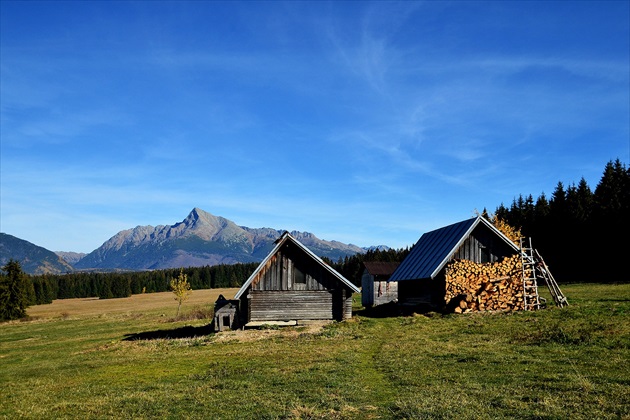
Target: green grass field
x=114 y=359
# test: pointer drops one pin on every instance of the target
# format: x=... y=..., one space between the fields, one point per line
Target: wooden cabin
x=421 y=275
x=376 y=289
x=293 y=284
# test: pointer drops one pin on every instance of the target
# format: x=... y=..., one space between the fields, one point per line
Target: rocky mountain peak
x=201 y=238
x=205 y=225
x=199 y=216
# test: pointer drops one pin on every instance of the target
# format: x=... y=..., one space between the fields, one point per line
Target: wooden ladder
x=531 y=298
x=542 y=272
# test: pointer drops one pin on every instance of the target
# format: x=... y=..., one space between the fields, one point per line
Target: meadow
x=132 y=358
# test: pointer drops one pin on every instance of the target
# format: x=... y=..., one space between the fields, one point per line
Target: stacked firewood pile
x=485 y=287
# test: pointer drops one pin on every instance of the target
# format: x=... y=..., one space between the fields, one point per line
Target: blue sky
x=364 y=122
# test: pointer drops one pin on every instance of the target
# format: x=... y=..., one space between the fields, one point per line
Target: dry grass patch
x=250 y=335
x=143 y=303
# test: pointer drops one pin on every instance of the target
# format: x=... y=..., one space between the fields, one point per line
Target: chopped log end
x=485 y=287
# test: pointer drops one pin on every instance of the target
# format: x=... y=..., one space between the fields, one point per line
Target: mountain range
x=33 y=259
x=200 y=239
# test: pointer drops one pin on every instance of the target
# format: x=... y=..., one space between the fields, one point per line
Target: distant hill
x=200 y=239
x=71 y=257
x=33 y=259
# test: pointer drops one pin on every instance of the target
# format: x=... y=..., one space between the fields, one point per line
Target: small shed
x=225 y=314
x=294 y=284
x=421 y=275
x=376 y=289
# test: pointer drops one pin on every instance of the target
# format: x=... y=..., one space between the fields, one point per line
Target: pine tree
x=14 y=292
x=558 y=202
x=541 y=209
x=612 y=194
x=585 y=200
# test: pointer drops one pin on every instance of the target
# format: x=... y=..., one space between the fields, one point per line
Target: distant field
x=117 y=359
x=147 y=302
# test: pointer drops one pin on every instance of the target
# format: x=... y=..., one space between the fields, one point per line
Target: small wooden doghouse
x=293 y=284
x=225 y=314
x=421 y=276
x=376 y=289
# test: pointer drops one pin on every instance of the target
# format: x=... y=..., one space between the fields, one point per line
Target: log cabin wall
x=286 y=305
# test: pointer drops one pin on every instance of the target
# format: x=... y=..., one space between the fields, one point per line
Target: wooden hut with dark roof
x=292 y=284
x=376 y=289
x=421 y=276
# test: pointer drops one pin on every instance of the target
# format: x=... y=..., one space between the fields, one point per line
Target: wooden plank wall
x=347 y=299
x=367 y=289
x=385 y=292
x=279 y=273
x=482 y=238
x=267 y=305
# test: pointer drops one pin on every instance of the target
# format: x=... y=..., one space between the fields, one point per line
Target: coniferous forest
x=581 y=233
x=48 y=287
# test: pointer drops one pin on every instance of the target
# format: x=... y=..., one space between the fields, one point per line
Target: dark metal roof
x=434 y=249
x=380 y=268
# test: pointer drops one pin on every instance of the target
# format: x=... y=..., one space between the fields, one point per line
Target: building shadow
x=386 y=310
x=394 y=309
x=183 y=332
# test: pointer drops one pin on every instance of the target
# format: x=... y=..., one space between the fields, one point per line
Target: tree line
x=582 y=234
x=47 y=287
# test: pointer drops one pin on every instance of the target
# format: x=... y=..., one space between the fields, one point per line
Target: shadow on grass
x=184 y=332
x=386 y=310
x=393 y=309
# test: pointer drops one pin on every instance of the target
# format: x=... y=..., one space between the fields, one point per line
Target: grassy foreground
x=117 y=359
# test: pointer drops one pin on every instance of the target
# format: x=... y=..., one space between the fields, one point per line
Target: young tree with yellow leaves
x=513 y=233
x=181 y=289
